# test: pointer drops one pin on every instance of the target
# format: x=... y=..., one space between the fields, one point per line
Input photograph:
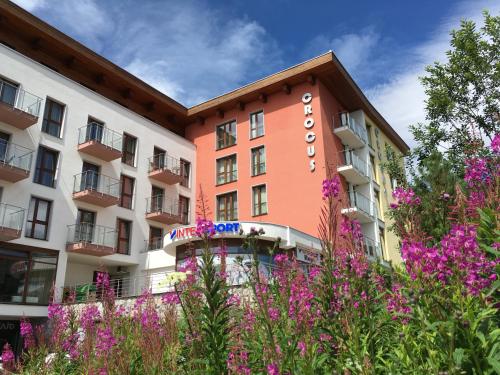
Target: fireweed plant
x=344 y=313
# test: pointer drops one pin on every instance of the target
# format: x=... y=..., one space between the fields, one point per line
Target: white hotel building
x=78 y=173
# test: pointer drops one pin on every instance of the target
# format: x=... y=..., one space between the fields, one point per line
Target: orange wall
x=293 y=191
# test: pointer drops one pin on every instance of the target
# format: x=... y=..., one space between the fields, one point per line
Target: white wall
x=80 y=103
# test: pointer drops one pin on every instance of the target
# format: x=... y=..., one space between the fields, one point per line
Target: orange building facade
x=264 y=150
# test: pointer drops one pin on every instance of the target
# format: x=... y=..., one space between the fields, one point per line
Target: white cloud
x=30 y=5
x=352 y=49
x=401 y=100
x=189 y=49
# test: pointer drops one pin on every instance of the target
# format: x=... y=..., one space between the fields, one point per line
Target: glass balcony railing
x=361 y=202
x=101 y=134
x=92 y=234
x=162 y=204
x=163 y=161
x=347 y=120
x=348 y=157
x=371 y=248
x=90 y=180
x=20 y=99
x=15 y=156
x=155 y=243
x=11 y=217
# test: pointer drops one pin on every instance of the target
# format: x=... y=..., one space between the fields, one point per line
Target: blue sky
x=195 y=50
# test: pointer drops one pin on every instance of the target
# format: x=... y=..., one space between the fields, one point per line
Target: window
x=158 y=159
x=8 y=91
x=127 y=191
x=227 y=170
x=226 y=134
x=4 y=148
x=373 y=168
x=259 y=200
x=85 y=229
x=369 y=134
x=256 y=124
x=184 y=209
x=382 y=241
x=124 y=234
x=227 y=207
x=377 y=203
x=46 y=165
x=94 y=130
x=128 y=149
x=258 y=160
x=27 y=277
x=90 y=177
x=52 y=118
x=155 y=238
x=156 y=199
x=185 y=172
x=38 y=218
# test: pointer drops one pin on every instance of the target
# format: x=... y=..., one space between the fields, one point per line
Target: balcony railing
x=91 y=239
x=18 y=108
x=165 y=168
x=360 y=174
x=371 y=248
x=11 y=221
x=123 y=287
x=350 y=131
x=153 y=244
x=95 y=188
x=97 y=140
x=350 y=158
x=361 y=202
x=162 y=209
x=15 y=161
x=18 y=98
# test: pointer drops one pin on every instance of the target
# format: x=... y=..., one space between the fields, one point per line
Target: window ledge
x=226 y=183
x=264 y=214
x=225 y=147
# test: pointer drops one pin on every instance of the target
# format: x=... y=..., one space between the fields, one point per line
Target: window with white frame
x=259 y=194
x=256 y=124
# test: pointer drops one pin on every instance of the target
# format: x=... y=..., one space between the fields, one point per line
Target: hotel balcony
x=97 y=189
x=91 y=239
x=11 y=222
x=15 y=161
x=165 y=168
x=18 y=108
x=353 y=168
x=352 y=133
x=360 y=208
x=372 y=250
x=163 y=210
x=124 y=287
x=155 y=243
x=96 y=140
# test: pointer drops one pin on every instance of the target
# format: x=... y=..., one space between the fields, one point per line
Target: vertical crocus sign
x=308 y=124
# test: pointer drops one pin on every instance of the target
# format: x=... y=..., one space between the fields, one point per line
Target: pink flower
x=170 y=298
x=8 y=358
x=302 y=347
x=272 y=369
x=495 y=144
x=204 y=228
x=404 y=197
x=104 y=342
x=27 y=334
x=477 y=173
x=331 y=187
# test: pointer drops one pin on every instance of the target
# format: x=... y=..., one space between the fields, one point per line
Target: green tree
x=463 y=95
